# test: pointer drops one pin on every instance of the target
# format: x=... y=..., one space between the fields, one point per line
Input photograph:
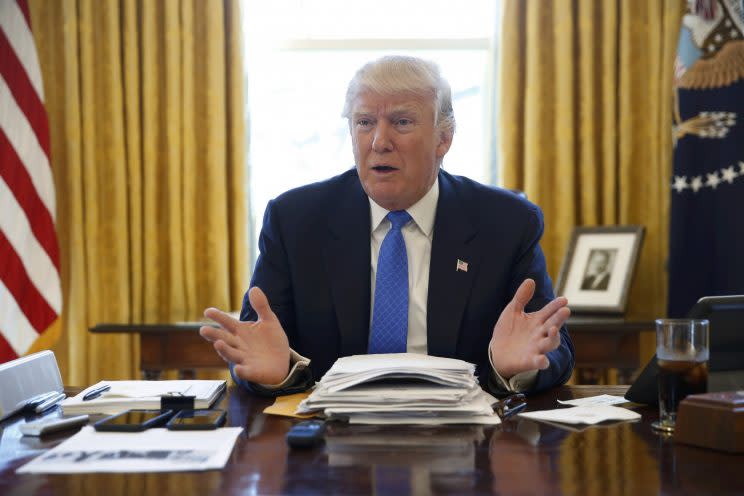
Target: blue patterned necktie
x=389 y=333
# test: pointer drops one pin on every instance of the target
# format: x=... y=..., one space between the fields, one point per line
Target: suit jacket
x=596 y=282
x=314 y=266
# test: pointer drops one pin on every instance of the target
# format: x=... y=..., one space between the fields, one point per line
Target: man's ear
x=445 y=141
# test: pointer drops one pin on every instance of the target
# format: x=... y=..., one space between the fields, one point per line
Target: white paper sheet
x=407 y=361
x=492 y=419
x=602 y=399
x=391 y=396
x=417 y=389
x=350 y=371
x=583 y=414
x=154 y=450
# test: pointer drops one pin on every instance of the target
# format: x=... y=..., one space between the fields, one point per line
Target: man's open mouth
x=383 y=168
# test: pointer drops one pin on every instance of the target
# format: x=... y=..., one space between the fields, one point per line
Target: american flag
x=30 y=292
x=461 y=265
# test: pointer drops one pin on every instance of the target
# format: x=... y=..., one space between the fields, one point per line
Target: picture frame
x=598 y=268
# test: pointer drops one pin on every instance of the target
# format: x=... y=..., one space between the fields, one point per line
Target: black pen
x=50 y=402
x=37 y=400
x=95 y=393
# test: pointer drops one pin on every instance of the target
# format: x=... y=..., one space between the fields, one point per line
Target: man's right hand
x=259 y=350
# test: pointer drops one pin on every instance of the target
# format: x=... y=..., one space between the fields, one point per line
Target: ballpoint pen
x=50 y=402
x=510 y=406
x=95 y=393
x=32 y=403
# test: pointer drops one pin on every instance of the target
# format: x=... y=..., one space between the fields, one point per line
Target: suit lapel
x=347 y=259
x=449 y=286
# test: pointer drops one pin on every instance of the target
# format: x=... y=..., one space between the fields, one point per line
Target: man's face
x=598 y=262
x=397 y=148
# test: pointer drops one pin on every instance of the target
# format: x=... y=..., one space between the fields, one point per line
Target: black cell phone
x=134 y=420
x=306 y=434
x=197 y=420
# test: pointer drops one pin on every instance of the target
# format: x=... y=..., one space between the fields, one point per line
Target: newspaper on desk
x=153 y=450
x=402 y=388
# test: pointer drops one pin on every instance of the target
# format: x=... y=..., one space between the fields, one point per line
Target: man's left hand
x=520 y=340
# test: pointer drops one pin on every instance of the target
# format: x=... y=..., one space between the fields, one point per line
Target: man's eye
x=364 y=122
x=404 y=122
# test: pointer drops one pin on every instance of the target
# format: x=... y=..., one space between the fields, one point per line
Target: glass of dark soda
x=682 y=354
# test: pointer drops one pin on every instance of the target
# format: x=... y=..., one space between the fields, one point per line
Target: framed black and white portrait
x=598 y=268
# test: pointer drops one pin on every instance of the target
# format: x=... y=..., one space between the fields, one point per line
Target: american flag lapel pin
x=461 y=266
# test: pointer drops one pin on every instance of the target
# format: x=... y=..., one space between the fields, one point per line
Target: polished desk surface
x=517 y=457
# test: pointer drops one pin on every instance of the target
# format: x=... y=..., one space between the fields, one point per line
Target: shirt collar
x=423 y=211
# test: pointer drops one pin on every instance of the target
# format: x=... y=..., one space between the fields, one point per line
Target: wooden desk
x=169 y=347
x=518 y=457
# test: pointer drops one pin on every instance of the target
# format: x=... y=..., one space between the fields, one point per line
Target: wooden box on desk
x=712 y=420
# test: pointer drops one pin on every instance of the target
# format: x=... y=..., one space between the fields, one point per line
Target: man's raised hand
x=259 y=350
x=520 y=340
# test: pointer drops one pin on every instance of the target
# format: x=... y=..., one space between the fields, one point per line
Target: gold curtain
x=145 y=103
x=585 y=123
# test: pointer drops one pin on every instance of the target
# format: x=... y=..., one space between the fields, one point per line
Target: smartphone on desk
x=197 y=420
x=134 y=421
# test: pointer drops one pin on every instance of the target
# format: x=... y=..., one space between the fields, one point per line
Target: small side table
x=603 y=343
x=169 y=346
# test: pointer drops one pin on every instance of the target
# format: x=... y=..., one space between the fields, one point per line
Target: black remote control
x=306 y=434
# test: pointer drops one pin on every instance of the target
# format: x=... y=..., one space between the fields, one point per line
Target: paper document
x=401 y=388
x=126 y=395
x=408 y=361
x=287 y=405
x=583 y=414
x=154 y=450
x=602 y=399
x=490 y=419
x=352 y=370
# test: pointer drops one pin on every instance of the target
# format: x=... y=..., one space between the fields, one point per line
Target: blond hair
x=398 y=74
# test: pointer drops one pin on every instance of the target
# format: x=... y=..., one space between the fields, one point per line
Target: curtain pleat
x=586 y=93
x=145 y=102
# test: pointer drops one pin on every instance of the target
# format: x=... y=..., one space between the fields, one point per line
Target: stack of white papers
x=401 y=388
x=126 y=395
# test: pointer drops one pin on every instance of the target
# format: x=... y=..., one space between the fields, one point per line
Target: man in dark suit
x=475 y=287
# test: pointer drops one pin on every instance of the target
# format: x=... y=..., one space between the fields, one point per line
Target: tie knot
x=398 y=218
